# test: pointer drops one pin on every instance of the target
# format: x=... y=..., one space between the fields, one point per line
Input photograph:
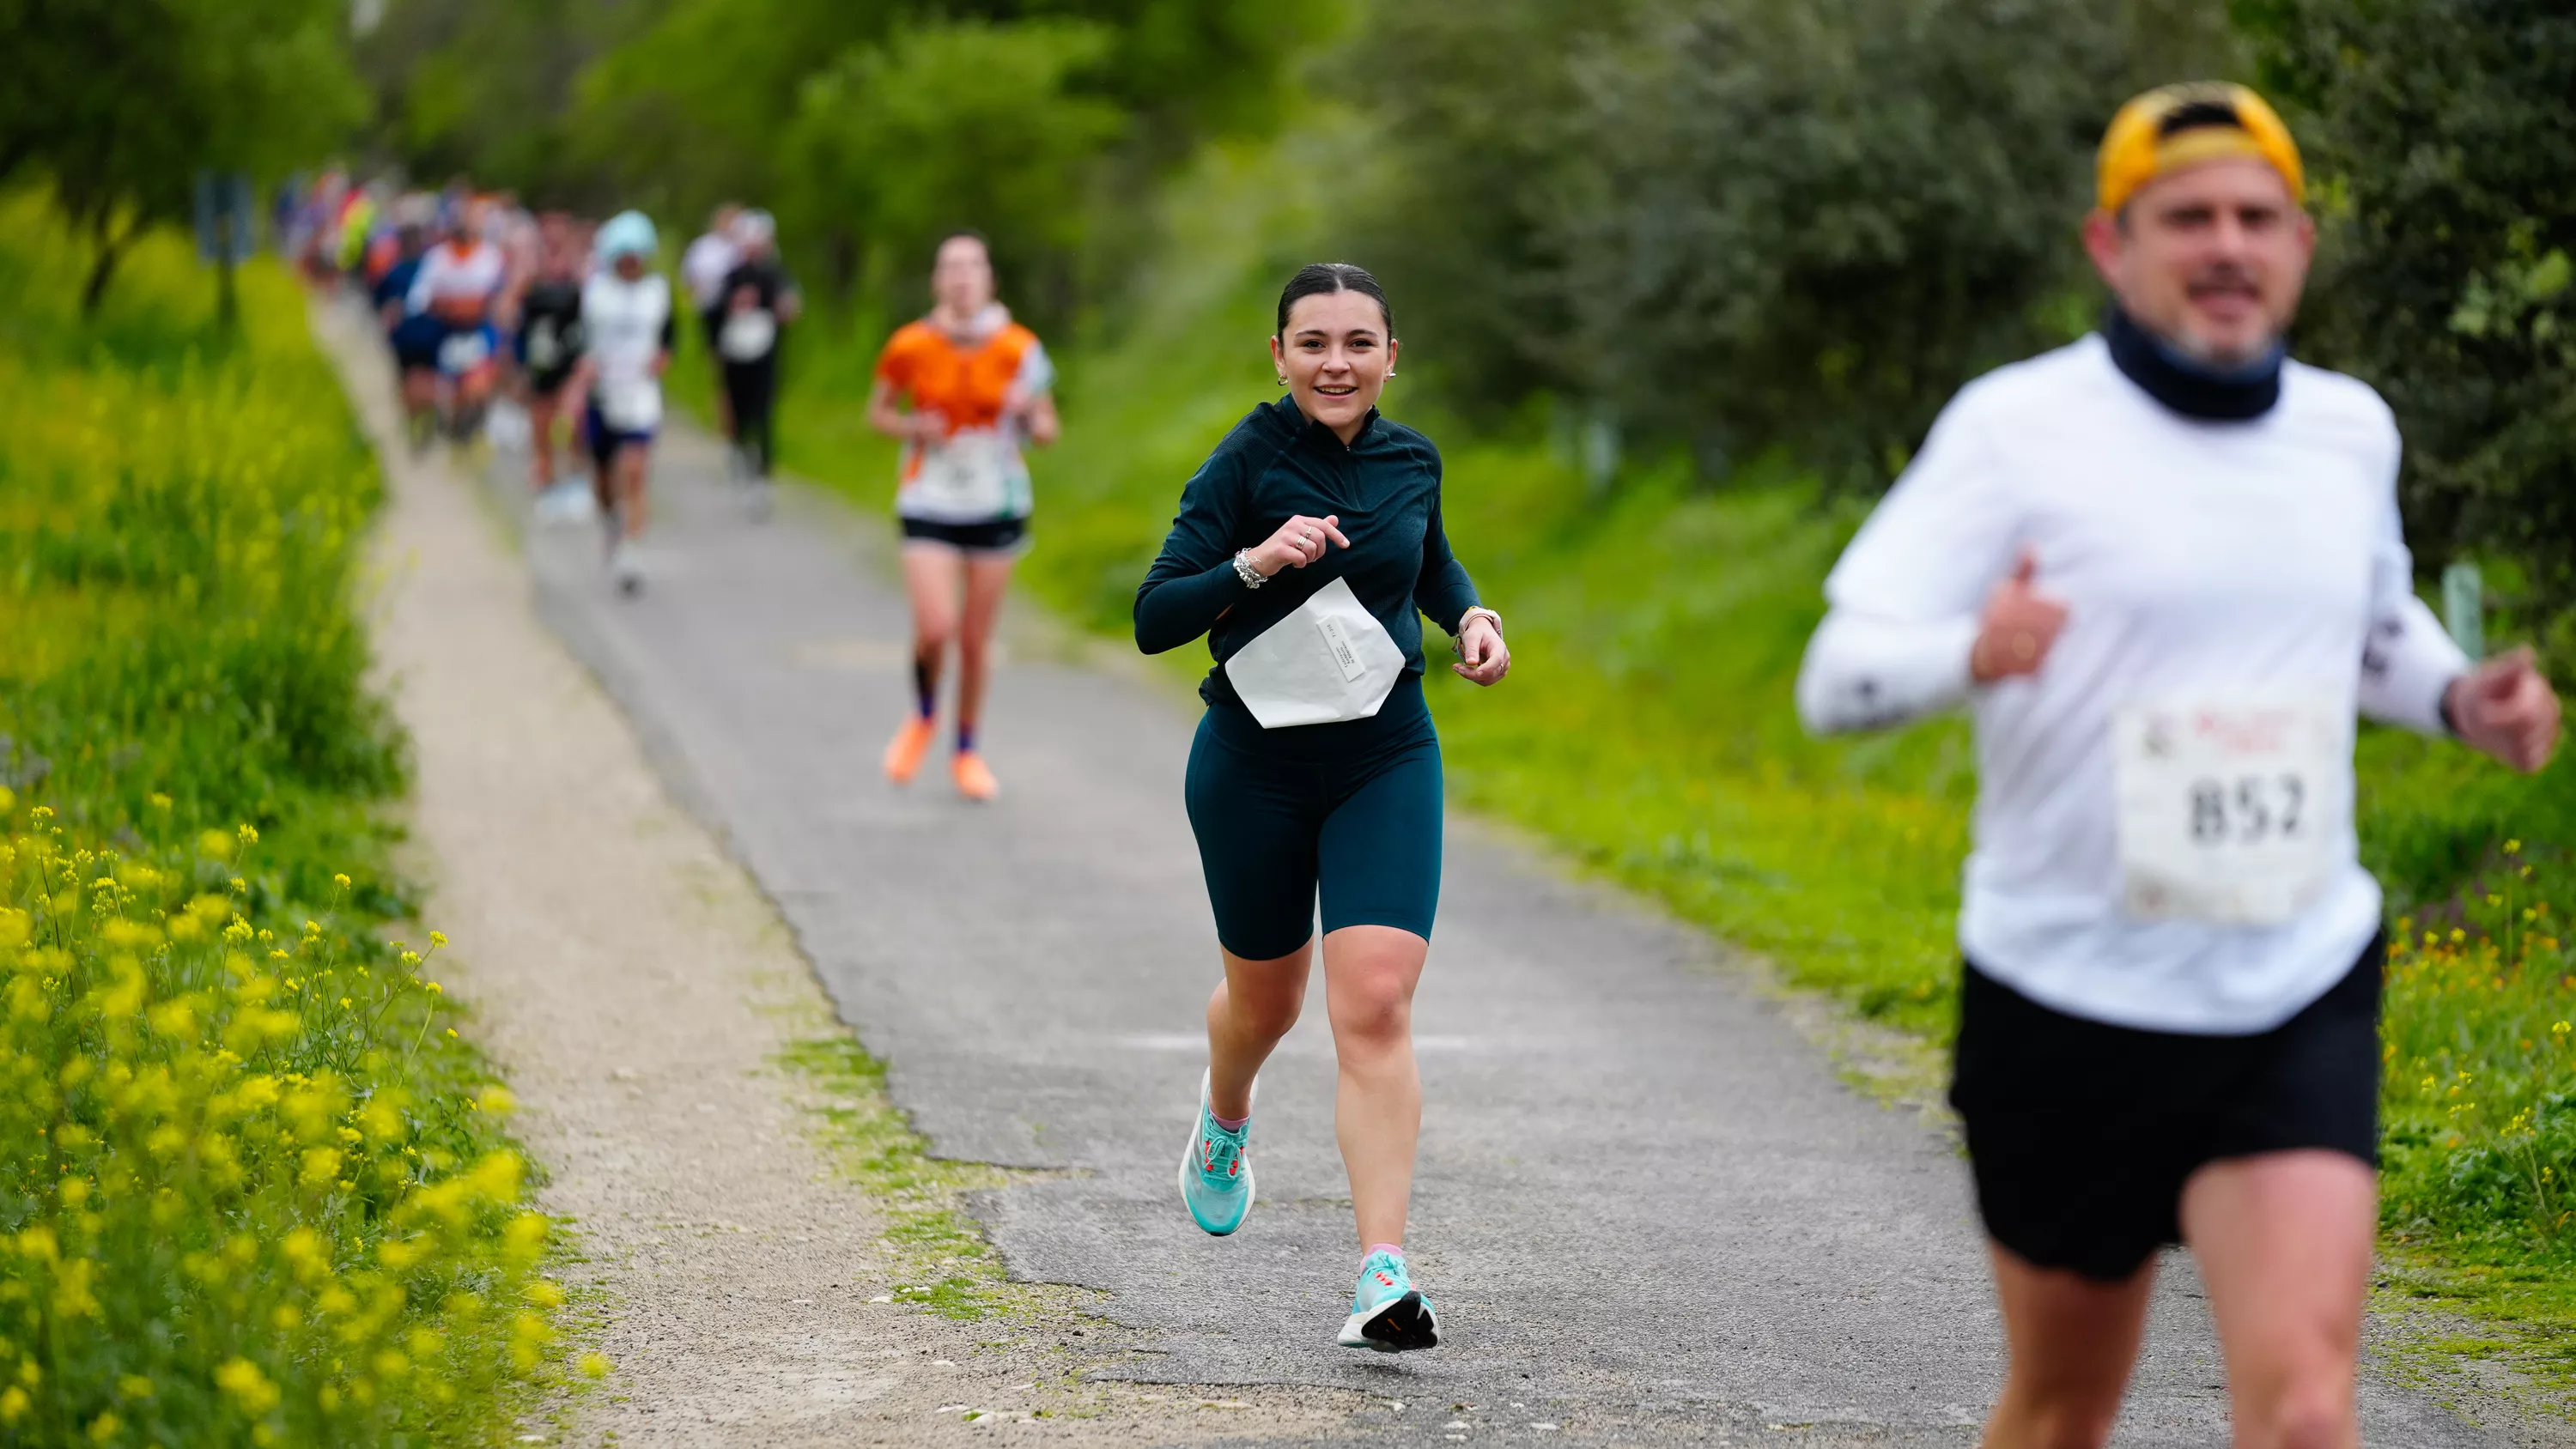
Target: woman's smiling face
x=1336 y=354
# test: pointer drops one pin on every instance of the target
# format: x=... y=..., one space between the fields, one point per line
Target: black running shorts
x=993 y=536
x=2081 y=1134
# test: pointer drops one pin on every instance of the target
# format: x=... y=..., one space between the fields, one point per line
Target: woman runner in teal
x=1307 y=550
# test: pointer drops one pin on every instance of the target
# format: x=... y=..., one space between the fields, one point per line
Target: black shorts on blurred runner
x=2081 y=1134
x=993 y=537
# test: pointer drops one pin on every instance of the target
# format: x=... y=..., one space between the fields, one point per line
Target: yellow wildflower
x=240 y=1379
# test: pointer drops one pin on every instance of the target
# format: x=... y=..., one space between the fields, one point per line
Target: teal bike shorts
x=1346 y=813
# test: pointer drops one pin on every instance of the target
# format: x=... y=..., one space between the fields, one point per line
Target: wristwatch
x=1252 y=577
x=1458 y=641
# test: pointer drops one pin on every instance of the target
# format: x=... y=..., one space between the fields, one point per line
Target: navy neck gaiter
x=2187 y=385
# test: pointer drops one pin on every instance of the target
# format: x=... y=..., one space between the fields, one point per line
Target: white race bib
x=630 y=405
x=2232 y=805
x=463 y=351
x=544 y=349
x=968 y=476
x=747 y=336
x=1328 y=661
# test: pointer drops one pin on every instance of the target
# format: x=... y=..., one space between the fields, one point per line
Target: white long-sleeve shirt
x=2197 y=560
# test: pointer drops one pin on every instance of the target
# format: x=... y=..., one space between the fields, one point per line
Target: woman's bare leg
x=1252 y=1008
x=1369 y=976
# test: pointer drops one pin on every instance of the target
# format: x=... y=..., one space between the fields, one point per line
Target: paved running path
x=1647 y=1209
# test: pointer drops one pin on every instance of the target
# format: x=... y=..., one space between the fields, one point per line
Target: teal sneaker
x=1387 y=1312
x=1216 y=1170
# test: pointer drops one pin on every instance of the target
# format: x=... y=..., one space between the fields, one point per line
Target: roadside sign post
x=226 y=212
x=2464 y=608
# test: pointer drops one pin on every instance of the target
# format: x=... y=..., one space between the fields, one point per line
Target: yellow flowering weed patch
x=254 y=1190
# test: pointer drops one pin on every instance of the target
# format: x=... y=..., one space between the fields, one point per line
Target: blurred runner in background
x=384 y=248
x=627 y=334
x=358 y=225
x=703 y=268
x=2163 y=568
x=458 y=283
x=412 y=336
x=962 y=388
x=549 y=346
x=758 y=299
x=317 y=233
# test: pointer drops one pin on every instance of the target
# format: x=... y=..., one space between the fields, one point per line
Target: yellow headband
x=2138 y=148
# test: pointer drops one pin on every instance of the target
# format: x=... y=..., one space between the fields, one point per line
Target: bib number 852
x=2233 y=809
x=2249 y=809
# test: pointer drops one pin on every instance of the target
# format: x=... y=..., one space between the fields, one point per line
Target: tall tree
x=120 y=105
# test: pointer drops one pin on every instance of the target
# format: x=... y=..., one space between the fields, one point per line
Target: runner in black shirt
x=550 y=342
x=757 y=301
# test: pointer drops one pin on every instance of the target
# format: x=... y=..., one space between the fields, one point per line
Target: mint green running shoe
x=1387 y=1312
x=1216 y=1170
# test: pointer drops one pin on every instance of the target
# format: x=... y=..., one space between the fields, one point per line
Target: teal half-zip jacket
x=1385 y=488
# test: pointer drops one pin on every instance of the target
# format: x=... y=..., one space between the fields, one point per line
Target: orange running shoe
x=910 y=746
x=974 y=779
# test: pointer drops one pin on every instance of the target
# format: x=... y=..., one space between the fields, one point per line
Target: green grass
x=1648 y=732
x=254 y=1187
x=938 y=1257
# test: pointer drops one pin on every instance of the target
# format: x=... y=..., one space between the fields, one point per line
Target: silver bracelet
x=1252 y=577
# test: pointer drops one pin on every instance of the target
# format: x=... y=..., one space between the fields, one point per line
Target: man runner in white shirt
x=2163 y=568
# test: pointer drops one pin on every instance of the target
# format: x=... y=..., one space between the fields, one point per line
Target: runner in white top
x=627 y=332
x=458 y=283
x=2163 y=568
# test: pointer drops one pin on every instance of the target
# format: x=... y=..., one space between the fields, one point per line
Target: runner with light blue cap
x=626 y=323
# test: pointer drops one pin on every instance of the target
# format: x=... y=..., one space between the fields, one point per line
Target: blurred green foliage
x=120 y=105
x=869 y=126
x=2445 y=134
x=904 y=143
x=1739 y=225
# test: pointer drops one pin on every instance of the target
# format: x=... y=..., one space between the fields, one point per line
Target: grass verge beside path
x=254 y=1189
x=1648 y=731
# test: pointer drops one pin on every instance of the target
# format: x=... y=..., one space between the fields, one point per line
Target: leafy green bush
x=957 y=125
x=2445 y=134
x=1743 y=225
x=253 y=1188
